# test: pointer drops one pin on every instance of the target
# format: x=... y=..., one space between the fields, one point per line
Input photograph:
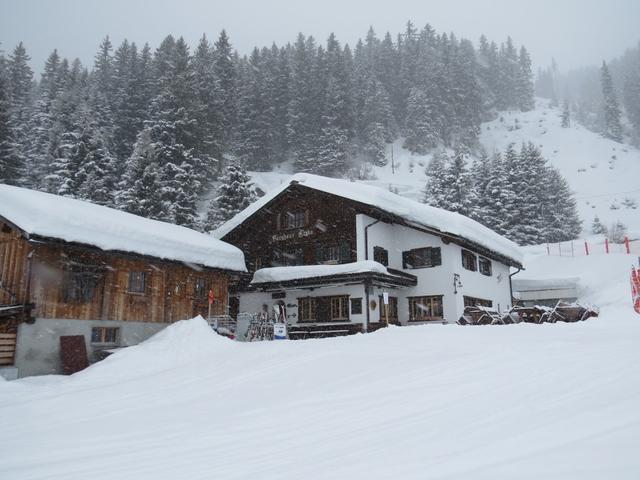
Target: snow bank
x=557 y=401
x=410 y=210
x=282 y=274
x=71 y=220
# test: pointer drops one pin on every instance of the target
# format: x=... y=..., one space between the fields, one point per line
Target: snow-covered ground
x=601 y=173
x=553 y=401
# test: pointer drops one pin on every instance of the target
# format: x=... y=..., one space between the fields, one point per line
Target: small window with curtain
x=340 y=308
x=356 y=306
x=307 y=309
x=334 y=253
x=79 y=286
x=201 y=288
x=381 y=255
x=422 y=258
x=484 y=265
x=105 y=335
x=422 y=309
x=137 y=282
x=469 y=261
x=292 y=220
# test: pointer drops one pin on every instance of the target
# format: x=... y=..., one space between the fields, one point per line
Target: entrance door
x=234 y=307
x=392 y=310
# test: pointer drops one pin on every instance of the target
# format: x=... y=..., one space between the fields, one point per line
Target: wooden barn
x=70 y=269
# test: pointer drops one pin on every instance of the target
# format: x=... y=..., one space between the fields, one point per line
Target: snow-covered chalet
x=335 y=257
x=78 y=280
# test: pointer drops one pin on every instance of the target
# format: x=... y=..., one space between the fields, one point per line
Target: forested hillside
x=145 y=130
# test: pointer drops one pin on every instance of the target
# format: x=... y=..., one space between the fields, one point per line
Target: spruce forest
x=149 y=130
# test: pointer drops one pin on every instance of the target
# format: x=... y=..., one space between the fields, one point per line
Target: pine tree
x=225 y=72
x=254 y=144
x=632 y=95
x=208 y=107
x=234 y=194
x=141 y=184
x=420 y=132
x=435 y=193
x=612 y=125
x=597 y=228
x=10 y=159
x=524 y=82
x=566 y=115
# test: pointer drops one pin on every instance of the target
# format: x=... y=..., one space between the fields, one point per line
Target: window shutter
x=406 y=259
x=306 y=218
x=436 y=257
x=319 y=253
x=278 y=222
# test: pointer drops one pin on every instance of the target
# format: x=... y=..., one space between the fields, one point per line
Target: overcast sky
x=575 y=32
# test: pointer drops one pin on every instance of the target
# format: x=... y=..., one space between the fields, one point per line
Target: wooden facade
x=329 y=223
x=59 y=280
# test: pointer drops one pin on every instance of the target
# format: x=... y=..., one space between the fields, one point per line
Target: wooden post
x=572 y=248
x=626 y=244
x=586 y=247
x=606 y=245
x=548 y=251
x=386 y=313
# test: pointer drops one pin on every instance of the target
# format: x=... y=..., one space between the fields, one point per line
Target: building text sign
x=291 y=235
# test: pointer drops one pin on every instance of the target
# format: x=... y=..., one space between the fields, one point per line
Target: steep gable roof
x=411 y=212
x=43 y=215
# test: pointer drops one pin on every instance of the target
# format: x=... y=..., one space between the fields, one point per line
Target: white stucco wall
x=38 y=344
x=434 y=280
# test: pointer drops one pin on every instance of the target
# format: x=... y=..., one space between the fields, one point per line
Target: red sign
x=212 y=297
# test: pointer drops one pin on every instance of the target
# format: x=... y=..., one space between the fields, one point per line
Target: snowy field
x=553 y=401
x=601 y=172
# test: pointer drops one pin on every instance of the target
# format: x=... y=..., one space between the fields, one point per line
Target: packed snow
x=411 y=211
x=282 y=274
x=52 y=216
x=553 y=401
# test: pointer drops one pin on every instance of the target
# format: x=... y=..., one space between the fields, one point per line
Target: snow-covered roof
x=52 y=216
x=525 y=284
x=283 y=274
x=411 y=211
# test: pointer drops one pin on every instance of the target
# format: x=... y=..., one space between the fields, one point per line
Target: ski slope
x=553 y=401
x=601 y=173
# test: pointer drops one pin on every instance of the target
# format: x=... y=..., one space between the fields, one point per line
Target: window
x=356 y=306
x=79 y=286
x=469 y=261
x=201 y=288
x=425 y=308
x=422 y=258
x=381 y=255
x=340 y=308
x=289 y=258
x=484 y=265
x=473 y=302
x=293 y=220
x=336 y=253
x=307 y=309
x=392 y=307
x=104 y=334
x=137 y=282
